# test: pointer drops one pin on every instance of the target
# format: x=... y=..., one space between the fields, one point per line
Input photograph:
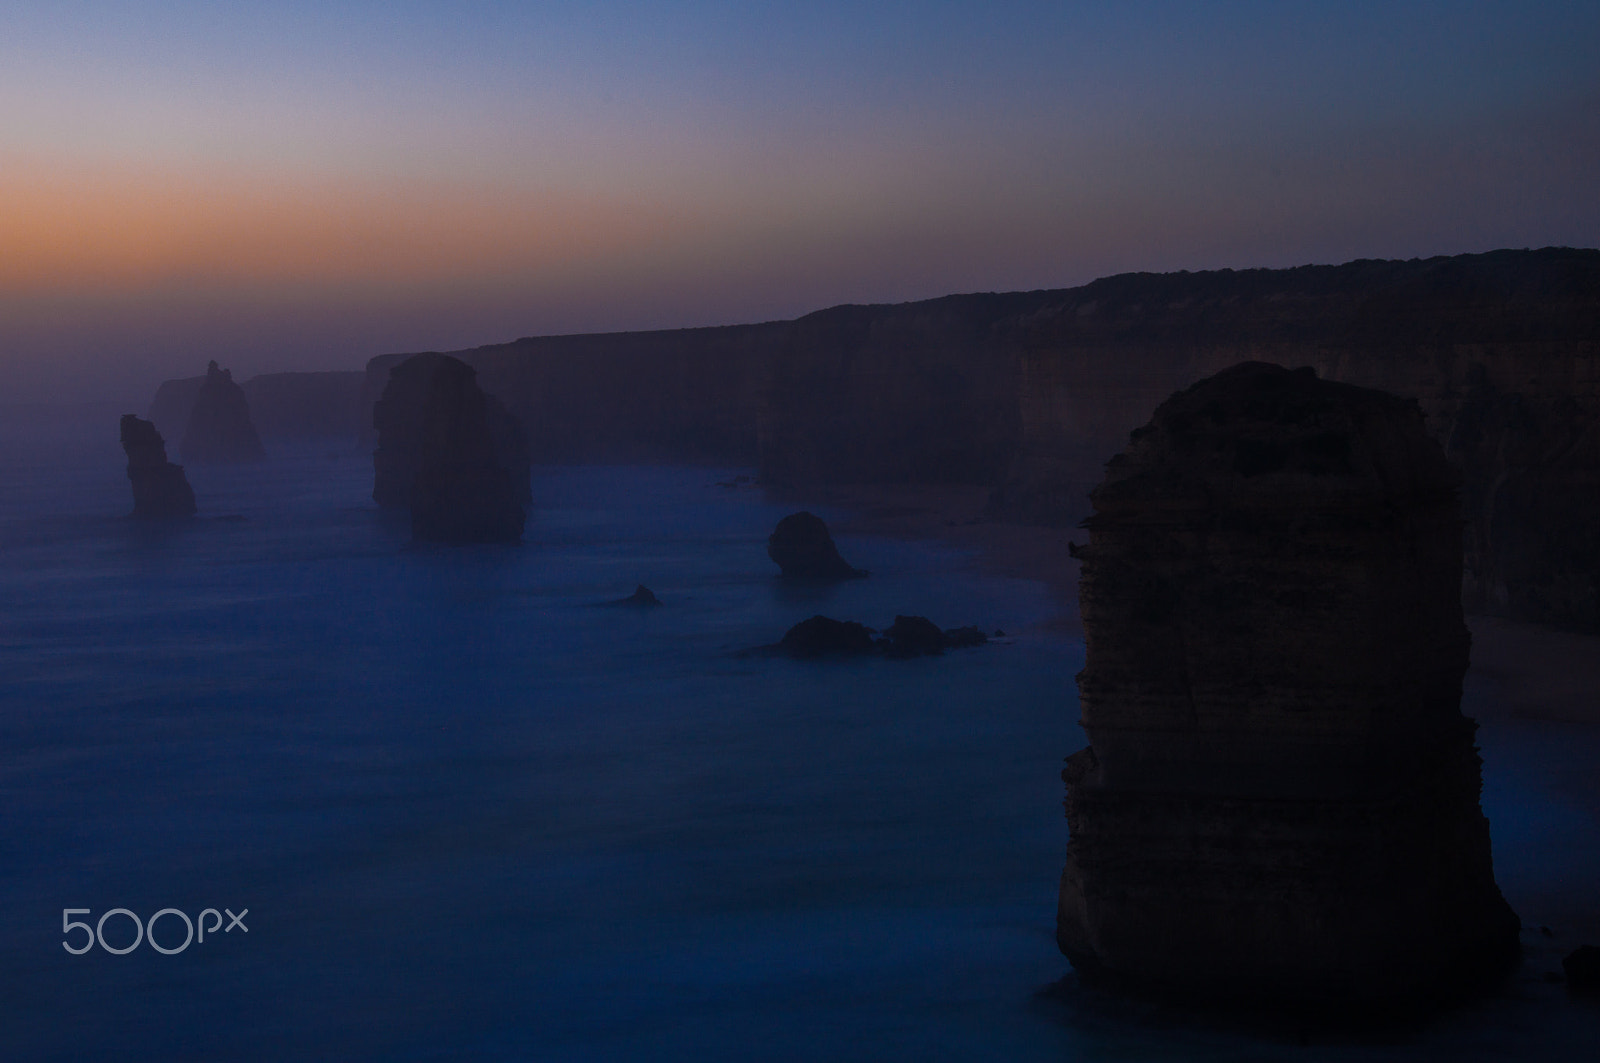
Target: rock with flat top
x=1279 y=800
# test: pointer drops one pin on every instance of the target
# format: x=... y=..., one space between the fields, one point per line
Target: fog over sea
x=476 y=813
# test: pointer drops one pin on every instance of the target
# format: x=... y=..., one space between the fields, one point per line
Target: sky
x=289 y=185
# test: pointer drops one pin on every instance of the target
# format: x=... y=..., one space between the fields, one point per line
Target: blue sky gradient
x=295 y=185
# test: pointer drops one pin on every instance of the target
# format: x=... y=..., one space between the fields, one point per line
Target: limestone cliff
x=1026 y=393
x=219 y=428
x=1510 y=340
x=160 y=490
x=1280 y=797
x=683 y=395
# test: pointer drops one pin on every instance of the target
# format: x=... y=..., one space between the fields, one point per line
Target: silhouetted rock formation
x=1025 y=392
x=802 y=547
x=908 y=636
x=219 y=427
x=641 y=596
x=1280 y=797
x=913 y=636
x=959 y=638
x=400 y=418
x=283 y=406
x=160 y=490
x=822 y=636
x=461 y=490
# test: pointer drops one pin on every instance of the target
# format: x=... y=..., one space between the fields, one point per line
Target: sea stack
x=802 y=547
x=220 y=429
x=452 y=454
x=398 y=417
x=1279 y=803
x=160 y=490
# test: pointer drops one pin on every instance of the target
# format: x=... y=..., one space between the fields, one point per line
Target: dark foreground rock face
x=220 y=429
x=160 y=490
x=400 y=419
x=461 y=490
x=802 y=547
x=1279 y=802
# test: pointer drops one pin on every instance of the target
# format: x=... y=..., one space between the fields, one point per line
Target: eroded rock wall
x=1280 y=797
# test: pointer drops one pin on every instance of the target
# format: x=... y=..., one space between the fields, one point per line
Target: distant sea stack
x=219 y=427
x=450 y=453
x=1279 y=802
x=802 y=547
x=399 y=416
x=160 y=490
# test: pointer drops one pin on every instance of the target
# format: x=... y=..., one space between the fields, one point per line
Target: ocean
x=477 y=812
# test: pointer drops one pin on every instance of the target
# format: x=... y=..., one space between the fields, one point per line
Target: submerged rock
x=399 y=417
x=1279 y=802
x=220 y=429
x=160 y=490
x=802 y=547
x=461 y=490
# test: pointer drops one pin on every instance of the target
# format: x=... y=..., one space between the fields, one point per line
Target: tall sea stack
x=220 y=429
x=1279 y=802
x=160 y=489
x=451 y=453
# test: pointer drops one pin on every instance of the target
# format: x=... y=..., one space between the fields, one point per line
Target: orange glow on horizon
x=70 y=230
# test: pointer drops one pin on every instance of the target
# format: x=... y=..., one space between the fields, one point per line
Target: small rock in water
x=913 y=636
x=641 y=595
x=908 y=636
x=821 y=636
x=802 y=547
x=961 y=637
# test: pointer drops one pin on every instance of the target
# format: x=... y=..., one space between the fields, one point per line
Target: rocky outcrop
x=283 y=406
x=220 y=429
x=1502 y=351
x=642 y=597
x=460 y=488
x=424 y=385
x=1279 y=801
x=160 y=490
x=801 y=546
x=823 y=636
x=908 y=636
